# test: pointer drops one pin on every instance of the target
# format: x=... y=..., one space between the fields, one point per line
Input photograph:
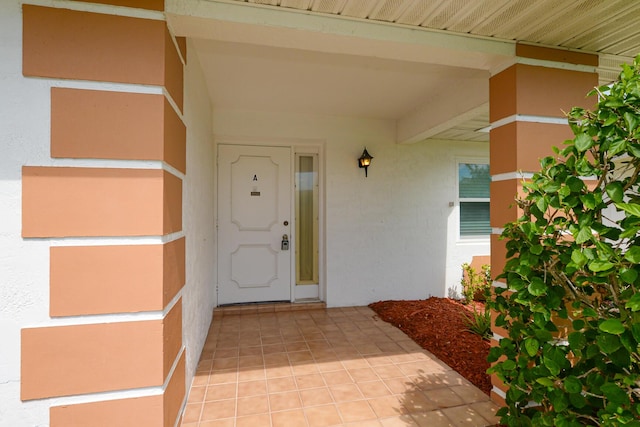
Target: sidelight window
x=306 y=201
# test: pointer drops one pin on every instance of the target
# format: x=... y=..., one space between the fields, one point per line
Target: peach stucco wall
x=528 y=105
x=69 y=201
x=112 y=215
x=68 y=360
x=521 y=145
x=539 y=91
x=121 y=125
x=142 y=411
x=69 y=44
x=115 y=278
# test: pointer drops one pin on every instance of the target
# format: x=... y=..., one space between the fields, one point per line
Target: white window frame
x=469 y=239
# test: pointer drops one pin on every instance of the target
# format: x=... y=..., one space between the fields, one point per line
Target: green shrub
x=572 y=357
x=476 y=285
x=478 y=322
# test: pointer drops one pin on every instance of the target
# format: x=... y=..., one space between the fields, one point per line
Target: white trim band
x=511 y=175
x=558 y=65
x=95 y=319
x=499 y=392
x=113 y=164
x=527 y=118
x=541 y=119
x=106 y=396
x=105 y=86
x=113 y=241
x=497 y=284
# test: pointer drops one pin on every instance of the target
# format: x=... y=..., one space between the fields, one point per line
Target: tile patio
x=304 y=365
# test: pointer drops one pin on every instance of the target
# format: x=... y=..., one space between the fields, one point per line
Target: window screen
x=473 y=194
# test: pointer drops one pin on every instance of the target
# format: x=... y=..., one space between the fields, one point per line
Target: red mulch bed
x=436 y=325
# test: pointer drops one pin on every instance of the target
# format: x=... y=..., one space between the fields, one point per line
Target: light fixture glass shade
x=365 y=160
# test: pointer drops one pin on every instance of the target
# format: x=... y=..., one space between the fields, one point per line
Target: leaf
x=531 y=346
x=584 y=168
x=578 y=258
x=564 y=191
x=559 y=356
x=629 y=232
x=583 y=142
x=541 y=204
x=621 y=357
x=508 y=365
x=593 y=351
x=551 y=187
x=630 y=208
x=537 y=287
x=631 y=121
x=635 y=331
x=494 y=354
x=577 y=400
x=543 y=335
x=575 y=184
x=615 y=191
x=597 y=266
x=617 y=146
x=588 y=200
x=552 y=366
x=584 y=235
x=547 y=382
x=615 y=394
x=608 y=343
x=578 y=324
x=634 y=303
x=628 y=342
x=577 y=341
x=572 y=384
x=634 y=149
x=560 y=402
x=633 y=254
x=628 y=275
x=612 y=326
x=613 y=102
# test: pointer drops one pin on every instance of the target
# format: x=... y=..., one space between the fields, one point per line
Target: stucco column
x=528 y=102
x=109 y=204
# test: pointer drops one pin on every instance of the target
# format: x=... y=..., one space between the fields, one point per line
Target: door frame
x=297 y=146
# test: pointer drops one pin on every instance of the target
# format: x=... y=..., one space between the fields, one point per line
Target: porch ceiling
x=422 y=63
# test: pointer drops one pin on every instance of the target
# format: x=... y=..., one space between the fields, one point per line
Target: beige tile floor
x=282 y=366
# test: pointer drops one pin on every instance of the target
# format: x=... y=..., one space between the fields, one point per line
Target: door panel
x=254 y=203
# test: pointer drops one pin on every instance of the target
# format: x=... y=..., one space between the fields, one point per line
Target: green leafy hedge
x=573 y=311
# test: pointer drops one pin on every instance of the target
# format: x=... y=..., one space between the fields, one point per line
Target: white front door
x=254 y=208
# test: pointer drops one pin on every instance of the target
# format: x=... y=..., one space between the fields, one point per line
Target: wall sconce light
x=365 y=160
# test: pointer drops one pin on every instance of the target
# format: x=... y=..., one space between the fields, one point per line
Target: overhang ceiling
x=423 y=63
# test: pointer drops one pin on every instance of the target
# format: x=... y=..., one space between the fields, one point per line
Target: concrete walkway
x=304 y=365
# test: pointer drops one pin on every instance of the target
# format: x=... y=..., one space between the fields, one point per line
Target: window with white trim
x=473 y=199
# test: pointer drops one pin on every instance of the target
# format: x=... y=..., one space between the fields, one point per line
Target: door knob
x=285 y=243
